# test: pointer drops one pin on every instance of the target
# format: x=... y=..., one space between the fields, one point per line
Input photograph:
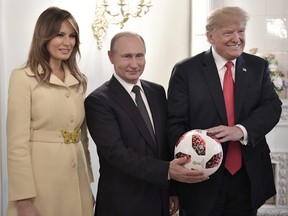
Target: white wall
x=165 y=29
x=1 y=96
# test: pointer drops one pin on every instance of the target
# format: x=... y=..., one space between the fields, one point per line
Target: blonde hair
x=226 y=15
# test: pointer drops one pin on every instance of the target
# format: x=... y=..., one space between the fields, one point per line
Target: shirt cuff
x=244 y=140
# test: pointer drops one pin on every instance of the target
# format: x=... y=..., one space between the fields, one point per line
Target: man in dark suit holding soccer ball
x=230 y=94
x=134 y=168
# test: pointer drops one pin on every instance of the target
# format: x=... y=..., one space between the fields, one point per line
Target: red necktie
x=234 y=158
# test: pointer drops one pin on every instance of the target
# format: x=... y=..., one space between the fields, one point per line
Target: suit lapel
x=125 y=101
x=213 y=82
x=241 y=85
x=153 y=102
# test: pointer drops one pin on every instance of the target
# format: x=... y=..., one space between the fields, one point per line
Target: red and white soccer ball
x=203 y=151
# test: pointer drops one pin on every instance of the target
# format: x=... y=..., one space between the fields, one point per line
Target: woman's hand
x=26 y=207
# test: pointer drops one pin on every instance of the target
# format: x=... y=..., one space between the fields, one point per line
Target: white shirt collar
x=219 y=60
x=128 y=86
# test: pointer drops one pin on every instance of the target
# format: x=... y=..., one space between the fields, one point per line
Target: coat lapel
x=241 y=85
x=125 y=101
x=70 y=80
x=212 y=77
x=153 y=101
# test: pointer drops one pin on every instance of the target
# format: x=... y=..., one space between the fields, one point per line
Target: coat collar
x=70 y=80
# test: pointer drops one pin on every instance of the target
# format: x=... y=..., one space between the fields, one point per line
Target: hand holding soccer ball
x=204 y=152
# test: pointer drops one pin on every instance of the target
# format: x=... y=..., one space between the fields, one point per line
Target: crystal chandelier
x=116 y=12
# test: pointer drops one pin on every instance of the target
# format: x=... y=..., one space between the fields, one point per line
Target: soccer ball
x=203 y=151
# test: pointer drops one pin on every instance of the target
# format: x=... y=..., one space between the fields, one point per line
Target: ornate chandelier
x=116 y=12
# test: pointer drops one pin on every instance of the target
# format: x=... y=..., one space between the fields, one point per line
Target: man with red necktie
x=230 y=94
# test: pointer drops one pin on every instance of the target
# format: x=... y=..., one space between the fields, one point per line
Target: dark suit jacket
x=196 y=101
x=133 y=173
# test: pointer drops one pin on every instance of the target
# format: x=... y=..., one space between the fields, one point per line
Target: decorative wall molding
x=278 y=205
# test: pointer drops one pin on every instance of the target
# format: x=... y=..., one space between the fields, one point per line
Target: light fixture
x=116 y=12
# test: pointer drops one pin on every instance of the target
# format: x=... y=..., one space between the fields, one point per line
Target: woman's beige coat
x=40 y=164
